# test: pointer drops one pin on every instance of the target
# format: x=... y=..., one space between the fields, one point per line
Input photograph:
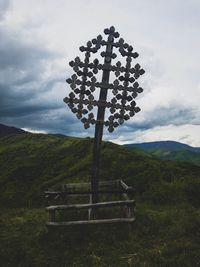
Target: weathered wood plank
x=94 y=205
x=103 y=221
x=70 y=189
x=88 y=192
x=101 y=183
x=129 y=191
x=90 y=210
x=125 y=186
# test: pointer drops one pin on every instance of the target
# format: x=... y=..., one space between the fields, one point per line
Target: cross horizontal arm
x=95 y=66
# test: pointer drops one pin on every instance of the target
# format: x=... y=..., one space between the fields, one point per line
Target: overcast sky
x=39 y=37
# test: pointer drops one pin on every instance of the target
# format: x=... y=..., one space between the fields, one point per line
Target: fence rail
x=117 y=187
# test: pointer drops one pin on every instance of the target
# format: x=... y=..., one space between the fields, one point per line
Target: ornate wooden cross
x=92 y=75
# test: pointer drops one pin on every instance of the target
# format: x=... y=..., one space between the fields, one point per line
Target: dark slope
x=7 y=130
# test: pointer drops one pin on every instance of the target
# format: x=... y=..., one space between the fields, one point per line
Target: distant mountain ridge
x=170 y=150
x=7 y=130
x=166 y=145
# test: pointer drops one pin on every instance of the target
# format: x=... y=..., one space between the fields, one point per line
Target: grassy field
x=166 y=231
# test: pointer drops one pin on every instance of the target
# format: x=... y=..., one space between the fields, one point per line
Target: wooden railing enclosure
x=118 y=189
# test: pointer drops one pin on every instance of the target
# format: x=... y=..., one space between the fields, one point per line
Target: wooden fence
x=116 y=188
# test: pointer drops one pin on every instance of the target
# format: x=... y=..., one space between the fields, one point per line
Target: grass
x=166 y=232
x=161 y=236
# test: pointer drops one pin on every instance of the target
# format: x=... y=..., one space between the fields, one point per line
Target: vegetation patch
x=166 y=231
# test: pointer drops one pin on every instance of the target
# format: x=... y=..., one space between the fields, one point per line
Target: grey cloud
x=19 y=57
x=4 y=5
x=54 y=121
x=156 y=118
x=164 y=116
x=21 y=111
x=22 y=88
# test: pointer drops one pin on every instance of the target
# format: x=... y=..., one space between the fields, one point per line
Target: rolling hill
x=170 y=150
x=7 y=130
x=167 y=193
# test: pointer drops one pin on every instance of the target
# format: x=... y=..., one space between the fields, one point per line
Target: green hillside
x=166 y=232
x=169 y=150
x=183 y=155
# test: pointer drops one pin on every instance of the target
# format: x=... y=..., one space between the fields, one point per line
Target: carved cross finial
x=86 y=81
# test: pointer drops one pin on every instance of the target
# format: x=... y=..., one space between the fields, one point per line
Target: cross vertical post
x=100 y=120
